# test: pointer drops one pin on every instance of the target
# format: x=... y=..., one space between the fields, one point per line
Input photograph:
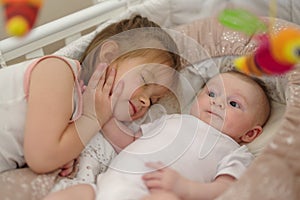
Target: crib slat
x=72 y=38
x=34 y=54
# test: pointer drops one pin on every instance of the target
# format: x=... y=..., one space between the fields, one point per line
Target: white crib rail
x=67 y=28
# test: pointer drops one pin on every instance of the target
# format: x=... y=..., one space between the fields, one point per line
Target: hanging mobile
x=277 y=53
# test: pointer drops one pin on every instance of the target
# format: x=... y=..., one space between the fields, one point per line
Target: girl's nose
x=145 y=101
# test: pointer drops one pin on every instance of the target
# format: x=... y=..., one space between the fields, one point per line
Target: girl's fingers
x=117 y=92
x=98 y=73
x=82 y=86
x=101 y=83
x=109 y=82
x=67 y=168
x=66 y=172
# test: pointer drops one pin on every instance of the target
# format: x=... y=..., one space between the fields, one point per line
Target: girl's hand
x=68 y=168
x=164 y=178
x=103 y=98
x=97 y=106
x=82 y=86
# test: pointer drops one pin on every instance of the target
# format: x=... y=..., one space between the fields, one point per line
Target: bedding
x=170 y=13
x=221 y=45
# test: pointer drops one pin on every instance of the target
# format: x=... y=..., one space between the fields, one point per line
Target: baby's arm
x=169 y=180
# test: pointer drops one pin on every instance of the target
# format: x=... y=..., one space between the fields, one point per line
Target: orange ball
x=285 y=46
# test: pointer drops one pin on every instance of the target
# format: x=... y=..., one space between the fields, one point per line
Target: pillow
x=270 y=128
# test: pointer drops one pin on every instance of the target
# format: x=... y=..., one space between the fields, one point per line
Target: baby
x=205 y=148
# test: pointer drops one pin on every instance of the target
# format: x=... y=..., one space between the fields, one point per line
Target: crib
x=195 y=18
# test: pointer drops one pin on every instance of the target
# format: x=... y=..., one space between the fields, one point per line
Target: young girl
x=45 y=121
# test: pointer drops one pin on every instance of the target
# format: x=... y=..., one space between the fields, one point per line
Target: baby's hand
x=164 y=178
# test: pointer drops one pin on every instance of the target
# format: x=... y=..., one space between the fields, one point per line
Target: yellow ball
x=241 y=64
x=17 y=26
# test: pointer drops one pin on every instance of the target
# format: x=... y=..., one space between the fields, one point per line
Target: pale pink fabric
x=26 y=185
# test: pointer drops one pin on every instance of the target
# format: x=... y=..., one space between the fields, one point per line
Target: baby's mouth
x=214 y=114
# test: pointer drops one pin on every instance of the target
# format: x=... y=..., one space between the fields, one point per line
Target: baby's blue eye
x=234 y=104
x=211 y=94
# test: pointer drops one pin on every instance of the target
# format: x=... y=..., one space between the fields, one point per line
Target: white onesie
x=193 y=148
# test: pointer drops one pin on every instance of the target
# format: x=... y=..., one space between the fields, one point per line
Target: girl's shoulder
x=57 y=61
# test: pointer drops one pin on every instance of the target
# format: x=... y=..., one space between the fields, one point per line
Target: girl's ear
x=109 y=51
x=252 y=134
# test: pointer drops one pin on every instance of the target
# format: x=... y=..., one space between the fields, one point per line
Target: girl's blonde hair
x=136 y=36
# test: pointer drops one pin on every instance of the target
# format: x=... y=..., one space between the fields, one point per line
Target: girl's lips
x=133 y=107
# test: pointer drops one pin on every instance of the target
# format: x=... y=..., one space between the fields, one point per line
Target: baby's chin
x=217 y=124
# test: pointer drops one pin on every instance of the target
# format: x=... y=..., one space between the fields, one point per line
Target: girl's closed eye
x=144 y=79
x=147 y=77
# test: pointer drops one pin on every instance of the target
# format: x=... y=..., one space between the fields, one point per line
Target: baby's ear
x=109 y=51
x=252 y=134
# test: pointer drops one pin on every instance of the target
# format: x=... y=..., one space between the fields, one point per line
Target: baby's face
x=229 y=104
x=144 y=84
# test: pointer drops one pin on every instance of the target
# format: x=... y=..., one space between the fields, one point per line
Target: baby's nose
x=217 y=102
